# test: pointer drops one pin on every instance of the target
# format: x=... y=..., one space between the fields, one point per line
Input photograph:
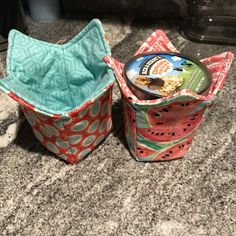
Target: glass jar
x=210 y=20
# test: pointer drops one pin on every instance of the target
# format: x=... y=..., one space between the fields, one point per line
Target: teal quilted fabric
x=58 y=78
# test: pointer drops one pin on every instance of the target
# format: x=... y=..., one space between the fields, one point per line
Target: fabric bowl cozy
x=64 y=90
x=163 y=129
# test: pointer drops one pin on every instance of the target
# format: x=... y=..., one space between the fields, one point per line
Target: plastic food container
x=160 y=74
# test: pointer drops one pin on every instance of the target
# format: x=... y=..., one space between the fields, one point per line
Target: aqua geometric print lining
x=58 y=78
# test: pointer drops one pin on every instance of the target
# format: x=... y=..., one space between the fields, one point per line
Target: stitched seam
x=79 y=38
x=10 y=54
x=223 y=69
x=71 y=43
x=65 y=136
x=67 y=80
x=135 y=132
x=63 y=47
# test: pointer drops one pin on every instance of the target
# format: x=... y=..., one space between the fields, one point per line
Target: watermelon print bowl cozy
x=64 y=91
x=163 y=129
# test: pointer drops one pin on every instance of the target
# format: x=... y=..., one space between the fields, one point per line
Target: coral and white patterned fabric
x=73 y=137
x=163 y=129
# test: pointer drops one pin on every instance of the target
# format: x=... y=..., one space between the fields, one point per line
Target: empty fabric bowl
x=64 y=90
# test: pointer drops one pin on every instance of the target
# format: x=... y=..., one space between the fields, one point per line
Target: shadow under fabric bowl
x=65 y=91
x=163 y=129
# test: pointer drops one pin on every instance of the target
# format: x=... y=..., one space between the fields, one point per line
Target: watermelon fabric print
x=65 y=91
x=163 y=129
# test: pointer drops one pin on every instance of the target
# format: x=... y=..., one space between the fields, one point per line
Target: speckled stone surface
x=109 y=193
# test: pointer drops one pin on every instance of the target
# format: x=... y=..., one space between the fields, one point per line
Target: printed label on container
x=151 y=72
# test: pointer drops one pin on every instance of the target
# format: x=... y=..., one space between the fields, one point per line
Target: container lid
x=162 y=74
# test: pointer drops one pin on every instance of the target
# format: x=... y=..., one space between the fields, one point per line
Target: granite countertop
x=109 y=193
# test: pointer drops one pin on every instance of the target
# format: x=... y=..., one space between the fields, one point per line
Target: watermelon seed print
x=168 y=124
x=140 y=150
x=143 y=151
x=184 y=104
x=175 y=151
